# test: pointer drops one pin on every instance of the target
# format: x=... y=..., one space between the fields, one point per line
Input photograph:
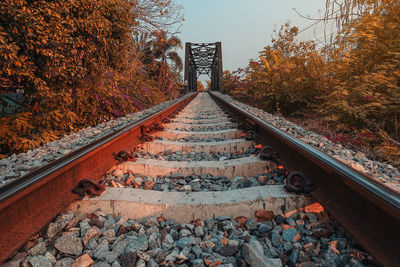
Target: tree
x=158 y=15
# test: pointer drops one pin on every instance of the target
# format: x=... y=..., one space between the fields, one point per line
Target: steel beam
x=203 y=59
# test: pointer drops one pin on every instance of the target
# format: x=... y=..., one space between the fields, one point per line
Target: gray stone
x=93 y=232
x=168 y=241
x=287 y=246
x=294 y=255
x=102 y=249
x=140 y=263
x=251 y=224
x=289 y=235
x=331 y=255
x=69 y=244
x=162 y=255
x=263 y=228
x=172 y=256
x=254 y=255
x=184 y=241
x=144 y=256
x=61 y=221
x=101 y=264
x=152 y=221
x=50 y=257
x=92 y=244
x=40 y=261
x=84 y=225
x=185 y=232
x=197 y=263
x=154 y=241
x=64 y=262
x=152 y=263
x=115 y=264
x=109 y=223
x=198 y=231
x=223 y=217
x=153 y=229
x=137 y=243
x=119 y=247
x=110 y=233
x=39 y=249
x=276 y=239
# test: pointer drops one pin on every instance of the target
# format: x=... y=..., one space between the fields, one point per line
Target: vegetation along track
x=206 y=170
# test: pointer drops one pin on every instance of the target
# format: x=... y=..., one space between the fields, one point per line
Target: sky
x=244 y=27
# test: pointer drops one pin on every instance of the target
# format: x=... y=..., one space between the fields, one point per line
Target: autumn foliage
x=353 y=84
x=77 y=63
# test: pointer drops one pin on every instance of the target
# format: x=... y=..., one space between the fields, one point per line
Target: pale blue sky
x=243 y=27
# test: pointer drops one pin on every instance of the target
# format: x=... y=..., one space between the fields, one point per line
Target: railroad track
x=215 y=170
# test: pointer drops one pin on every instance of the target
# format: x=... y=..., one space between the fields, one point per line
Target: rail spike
x=89 y=187
x=298 y=183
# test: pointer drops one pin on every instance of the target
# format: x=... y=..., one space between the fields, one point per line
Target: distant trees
x=354 y=84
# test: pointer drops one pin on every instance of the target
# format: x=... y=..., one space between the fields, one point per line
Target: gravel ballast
x=19 y=165
x=308 y=238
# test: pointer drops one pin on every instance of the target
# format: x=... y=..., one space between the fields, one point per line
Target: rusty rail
x=367 y=209
x=29 y=203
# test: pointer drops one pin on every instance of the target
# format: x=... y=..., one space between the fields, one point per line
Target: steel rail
x=367 y=209
x=29 y=203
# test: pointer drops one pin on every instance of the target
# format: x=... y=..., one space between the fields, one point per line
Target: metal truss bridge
x=203 y=59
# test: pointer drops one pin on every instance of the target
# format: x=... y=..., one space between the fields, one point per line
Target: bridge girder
x=203 y=59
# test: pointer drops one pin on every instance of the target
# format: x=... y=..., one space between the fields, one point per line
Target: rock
x=40 y=261
x=154 y=241
x=294 y=255
x=263 y=228
x=223 y=217
x=254 y=255
x=84 y=226
x=331 y=256
x=136 y=243
x=119 y=247
x=251 y=224
x=101 y=250
x=69 y=244
x=197 y=263
x=101 y=264
x=93 y=232
x=207 y=244
x=264 y=215
x=128 y=259
x=185 y=232
x=83 y=261
x=110 y=233
x=279 y=219
x=229 y=251
x=64 y=262
x=152 y=221
x=140 y=263
x=148 y=185
x=198 y=231
x=184 y=241
x=290 y=235
x=50 y=257
x=152 y=263
x=61 y=221
x=143 y=255
x=186 y=188
x=276 y=239
x=172 y=256
x=39 y=249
